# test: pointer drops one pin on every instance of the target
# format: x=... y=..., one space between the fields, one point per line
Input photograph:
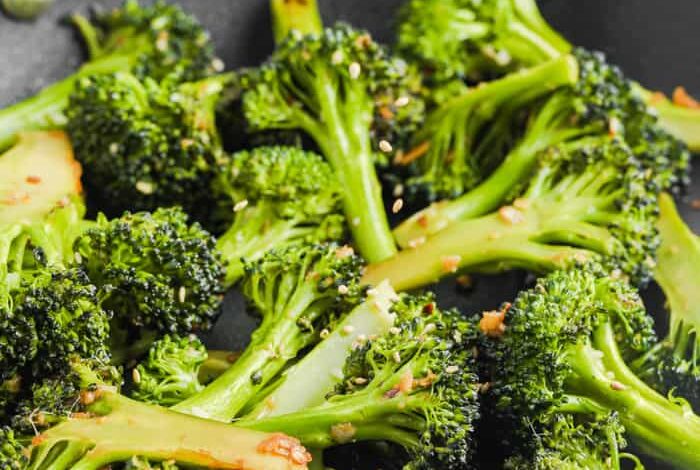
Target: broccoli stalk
x=281 y=196
x=39 y=175
x=476 y=39
x=326 y=86
x=444 y=149
x=115 y=428
x=413 y=386
x=586 y=199
x=672 y=364
x=296 y=291
x=156 y=42
x=294 y=15
x=561 y=350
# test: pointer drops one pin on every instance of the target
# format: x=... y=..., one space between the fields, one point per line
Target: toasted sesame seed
x=401 y=101
x=136 y=376
x=113 y=148
x=145 y=187
x=78 y=258
x=394 y=330
x=337 y=57
x=343 y=289
x=354 y=70
x=398 y=190
x=181 y=294
x=359 y=380
x=396 y=357
x=217 y=64
x=398 y=205
x=451 y=369
x=240 y=205
x=347 y=329
x=324 y=333
x=385 y=146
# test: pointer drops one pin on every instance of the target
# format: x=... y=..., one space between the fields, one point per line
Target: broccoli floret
x=108 y=428
x=475 y=40
x=297 y=291
x=560 y=352
x=156 y=41
x=602 y=103
x=672 y=365
x=587 y=199
x=327 y=85
x=145 y=144
x=160 y=272
x=170 y=372
x=447 y=160
x=280 y=196
x=413 y=386
x=11 y=456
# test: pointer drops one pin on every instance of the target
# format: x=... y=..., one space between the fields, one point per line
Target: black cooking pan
x=654 y=41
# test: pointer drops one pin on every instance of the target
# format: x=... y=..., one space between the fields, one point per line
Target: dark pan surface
x=654 y=41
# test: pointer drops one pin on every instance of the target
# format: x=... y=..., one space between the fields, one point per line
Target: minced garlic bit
x=510 y=215
x=240 y=205
x=285 y=446
x=354 y=69
x=450 y=264
x=398 y=205
x=343 y=433
x=492 y=322
x=406 y=382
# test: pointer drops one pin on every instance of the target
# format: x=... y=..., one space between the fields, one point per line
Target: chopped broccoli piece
x=327 y=85
x=413 y=386
x=11 y=455
x=156 y=41
x=281 y=196
x=301 y=16
x=560 y=354
x=586 y=199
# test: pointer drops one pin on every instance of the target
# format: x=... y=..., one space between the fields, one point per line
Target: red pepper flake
x=683 y=99
x=492 y=322
x=285 y=446
x=33 y=179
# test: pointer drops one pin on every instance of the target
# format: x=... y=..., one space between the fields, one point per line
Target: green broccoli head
x=160 y=40
x=280 y=196
x=69 y=320
x=559 y=356
x=170 y=372
x=473 y=39
x=145 y=145
x=158 y=271
x=11 y=450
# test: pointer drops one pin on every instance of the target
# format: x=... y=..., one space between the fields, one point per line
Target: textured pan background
x=655 y=41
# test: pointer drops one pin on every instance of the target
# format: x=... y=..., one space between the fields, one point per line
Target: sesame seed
x=354 y=70
x=162 y=41
x=136 y=376
x=398 y=204
x=78 y=258
x=113 y=148
x=451 y=369
x=181 y=294
x=337 y=57
x=343 y=289
x=385 y=146
x=240 y=205
x=359 y=380
x=398 y=190
x=217 y=64
x=347 y=329
x=356 y=221
x=362 y=338
x=430 y=327
x=394 y=330
x=401 y=101
x=510 y=215
x=396 y=357
x=324 y=333
x=145 y=187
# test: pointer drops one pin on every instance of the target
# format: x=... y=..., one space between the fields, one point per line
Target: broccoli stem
x=344 y=138
x=217 y=362
x=492 y=191
x=660 y=427
x=677 y=274
x=307 y=383
x=529 y=14
x=125 y=428
x=45 y=109
x=294 y=15
x=278 y=339
x=682 y=122
x=484 y=242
